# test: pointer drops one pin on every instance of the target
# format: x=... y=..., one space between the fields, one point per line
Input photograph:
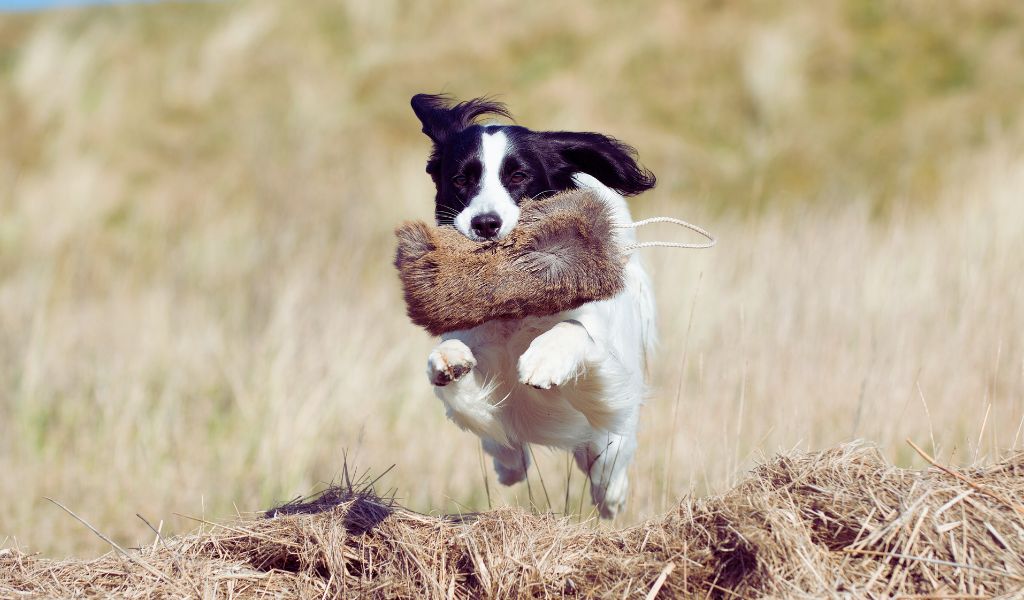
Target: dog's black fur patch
x=547 y=159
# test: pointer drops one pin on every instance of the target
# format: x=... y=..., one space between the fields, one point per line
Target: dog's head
x=482 y=172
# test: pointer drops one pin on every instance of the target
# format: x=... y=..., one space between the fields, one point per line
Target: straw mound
x=841 y=522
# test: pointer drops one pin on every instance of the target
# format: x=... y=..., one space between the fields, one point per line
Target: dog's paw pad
x=449 y=362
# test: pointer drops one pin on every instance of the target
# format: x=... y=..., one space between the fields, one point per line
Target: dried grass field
x=199 y=315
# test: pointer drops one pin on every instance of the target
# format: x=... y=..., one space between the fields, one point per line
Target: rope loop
x=681 y=223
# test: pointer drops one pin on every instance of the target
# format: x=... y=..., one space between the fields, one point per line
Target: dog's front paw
x=545 y=369
x=555 y=357
x=449 y=361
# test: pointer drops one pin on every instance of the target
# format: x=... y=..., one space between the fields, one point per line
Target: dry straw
x=837 y=523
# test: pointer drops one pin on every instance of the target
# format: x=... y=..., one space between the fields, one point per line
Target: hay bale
x=839 y=523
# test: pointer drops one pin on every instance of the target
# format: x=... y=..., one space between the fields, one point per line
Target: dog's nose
x=486 y=225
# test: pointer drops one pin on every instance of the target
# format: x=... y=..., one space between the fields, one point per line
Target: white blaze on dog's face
x=482 y=172
x=492 y=212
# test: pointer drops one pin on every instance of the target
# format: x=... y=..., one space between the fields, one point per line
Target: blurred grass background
x=198 y=312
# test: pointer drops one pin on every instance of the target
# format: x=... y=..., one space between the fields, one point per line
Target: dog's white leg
x=606 y=459
x=558 y=355
x=510 y=462
x=464 y=391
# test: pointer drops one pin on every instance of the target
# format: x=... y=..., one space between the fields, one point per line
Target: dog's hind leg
x=606 y=459
x=510 y=462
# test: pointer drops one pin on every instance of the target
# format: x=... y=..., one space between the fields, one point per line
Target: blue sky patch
x=30 y=5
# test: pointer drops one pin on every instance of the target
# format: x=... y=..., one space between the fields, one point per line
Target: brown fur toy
x=561 y=255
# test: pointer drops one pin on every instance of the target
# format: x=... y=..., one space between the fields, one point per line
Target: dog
x=575 y=380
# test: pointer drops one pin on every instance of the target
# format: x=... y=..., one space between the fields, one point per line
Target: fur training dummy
x=562 y=254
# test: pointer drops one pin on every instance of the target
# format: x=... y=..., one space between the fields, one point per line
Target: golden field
x=199 y=315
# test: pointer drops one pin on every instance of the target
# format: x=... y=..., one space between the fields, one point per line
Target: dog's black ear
x=442 y=117
x=612 y=162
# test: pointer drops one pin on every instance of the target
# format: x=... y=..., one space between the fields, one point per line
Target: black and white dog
x=575 y=380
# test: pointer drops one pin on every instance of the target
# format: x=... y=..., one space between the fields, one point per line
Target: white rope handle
x=711 y=239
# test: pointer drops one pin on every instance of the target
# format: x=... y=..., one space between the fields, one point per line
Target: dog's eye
x=459 y=180
x=517 y=177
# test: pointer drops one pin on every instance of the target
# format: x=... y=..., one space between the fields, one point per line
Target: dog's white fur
x=575 y=380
